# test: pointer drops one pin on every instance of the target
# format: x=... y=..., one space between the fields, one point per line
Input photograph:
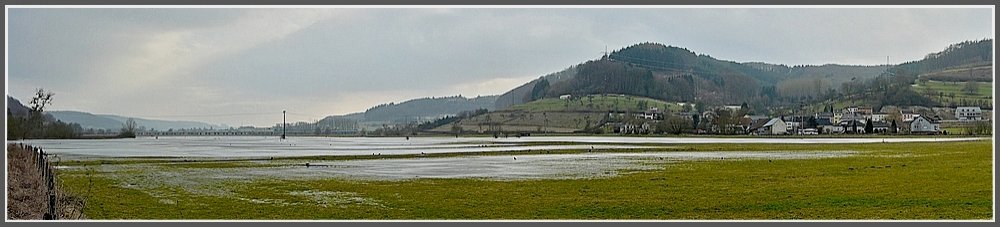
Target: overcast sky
x=230 y=65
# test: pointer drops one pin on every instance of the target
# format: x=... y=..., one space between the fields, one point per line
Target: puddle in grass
x=509 y=167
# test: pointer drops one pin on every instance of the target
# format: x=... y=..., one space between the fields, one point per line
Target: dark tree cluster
x=35 y=124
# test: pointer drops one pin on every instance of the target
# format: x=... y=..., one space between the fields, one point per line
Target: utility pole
x=605 y=52
x=283 y=124
x=887 y=64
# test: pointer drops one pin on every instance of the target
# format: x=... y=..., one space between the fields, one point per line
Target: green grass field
x=884 y=181
x=984 y=92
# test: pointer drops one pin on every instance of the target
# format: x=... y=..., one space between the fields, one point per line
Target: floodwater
x=523 y=167
x=260 y=146
x=492 y=167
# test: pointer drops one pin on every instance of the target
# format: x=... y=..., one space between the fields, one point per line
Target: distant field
x=983 y=73
x=984 y=92
x=597 y=103
x=941 y=180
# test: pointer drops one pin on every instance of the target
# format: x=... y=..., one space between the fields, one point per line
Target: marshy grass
x=943 y=180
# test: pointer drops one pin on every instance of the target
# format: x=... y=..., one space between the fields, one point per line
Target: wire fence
x=40 y=160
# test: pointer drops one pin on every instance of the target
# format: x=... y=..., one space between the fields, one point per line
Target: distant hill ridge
x=677 y=74
x=114 y=122
x=427 y=108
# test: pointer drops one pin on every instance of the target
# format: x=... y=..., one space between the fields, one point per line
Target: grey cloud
x=330 y=61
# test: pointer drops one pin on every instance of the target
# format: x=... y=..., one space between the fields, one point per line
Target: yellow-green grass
x=947 y=180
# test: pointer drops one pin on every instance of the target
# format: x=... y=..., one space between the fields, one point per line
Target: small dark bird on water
x=307 y=164
x=515 y=158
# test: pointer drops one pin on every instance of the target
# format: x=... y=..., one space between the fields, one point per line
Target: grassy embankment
x=27 y=196
x=885 y=181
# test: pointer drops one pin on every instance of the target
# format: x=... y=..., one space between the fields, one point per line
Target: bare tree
x=35 y=117
x=128 y=129
x=41 y=99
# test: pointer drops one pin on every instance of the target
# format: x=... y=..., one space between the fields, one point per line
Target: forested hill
x=523 y=93
x=676 y=60
x=15 y=107
x=676 y=74
x=427 y=108
x=650 y=70
x=965 y=53
x=895 y=87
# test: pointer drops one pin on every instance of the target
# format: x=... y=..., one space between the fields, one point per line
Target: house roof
x=849 y=122
x=761 y=124
x=824 y=121
x=931 y=120
x=772 y=121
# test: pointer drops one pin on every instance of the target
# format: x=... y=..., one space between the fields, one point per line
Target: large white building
x=968 y=113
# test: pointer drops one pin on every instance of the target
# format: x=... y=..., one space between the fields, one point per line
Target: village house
x=775 y=126
x=858 y=110
x=797 y=122
x=865 y=110
x=836 y=117
x=853 y=126
x=653 y=114
x=880 y=116
x=909 y=115
x=880 y=127
x=848 y=117
x=826 y=126
x=963 y=113
x=748 y=121
x=826 y=115
x=923 y=125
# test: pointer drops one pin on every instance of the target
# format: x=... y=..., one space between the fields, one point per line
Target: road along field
x=901 y=180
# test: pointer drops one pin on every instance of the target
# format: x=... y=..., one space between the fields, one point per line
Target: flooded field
x=213 y=181
x=234 y=147
x=524 y=167
x=684 y=178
